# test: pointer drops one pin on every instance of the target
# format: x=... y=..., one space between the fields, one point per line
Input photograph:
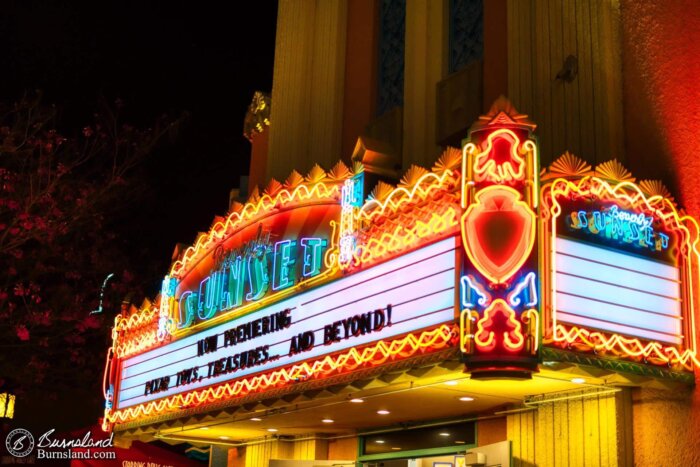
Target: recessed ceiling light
x=357 y=400
x=578 y=380
x=272 y=430
x=380 y=441
x=223 y=437
x=327 y=420
x=466 y=399
x=383 y=412
x=256 y=419
x=451 y=383
x=444 y=433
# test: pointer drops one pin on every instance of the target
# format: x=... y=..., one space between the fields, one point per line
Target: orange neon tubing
x=234 y=220
x=373 y=208
x=482 y=328
x=485 y=168
x=129 y=334
x=376 y=354
x=402 y=238
x=665 y=210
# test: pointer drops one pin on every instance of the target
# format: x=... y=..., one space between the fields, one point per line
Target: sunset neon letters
x=619 y=225
x=246 y=278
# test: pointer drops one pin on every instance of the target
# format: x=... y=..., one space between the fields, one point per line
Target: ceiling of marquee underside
x=410 y=397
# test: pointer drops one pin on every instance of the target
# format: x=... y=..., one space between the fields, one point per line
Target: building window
x=421 y=441
x=466 y=32
x=392 y=31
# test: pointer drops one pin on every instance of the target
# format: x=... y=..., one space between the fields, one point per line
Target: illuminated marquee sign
x=614 y=271
x=622 y=226
x=411 y=292
x=620 y=269
x=247 y=275
x=604 y=289
x=265 y=259
x=315 y=281
x=499 y=291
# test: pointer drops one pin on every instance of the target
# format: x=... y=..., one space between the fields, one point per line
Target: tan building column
x=426 y=63
x=307 y=87
x=574 y=431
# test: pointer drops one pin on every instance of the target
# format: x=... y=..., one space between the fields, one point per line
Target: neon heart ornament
x=498 y=232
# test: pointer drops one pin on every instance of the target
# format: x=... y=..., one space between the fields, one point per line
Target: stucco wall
x=661 y=65
x=666 y=427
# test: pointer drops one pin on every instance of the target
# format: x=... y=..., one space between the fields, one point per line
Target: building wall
x=491 y=431
x=307 y=86
x=426 y=63
x=306 y=448
x=666 y=427
x=360 y=95
x=592 y=431
x=661 y=53
x=583 y=116
x=342 y=448
x=257 y=455
x=662 y=64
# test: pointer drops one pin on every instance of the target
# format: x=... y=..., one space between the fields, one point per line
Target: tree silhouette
x=59 y=200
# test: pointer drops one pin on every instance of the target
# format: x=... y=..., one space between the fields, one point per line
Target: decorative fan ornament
x=568 y=165
x=236 y=206
x=339 y=171
x=450 y=159
x=273 y=187
x=294 y=180
x=357 y=167
x=502 y=112
x=316 y=174
x=381 y=191
x=613 y=170
x=655 y=188
x=412 y=175
x=254 y=195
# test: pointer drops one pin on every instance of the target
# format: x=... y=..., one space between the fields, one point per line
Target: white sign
x=411 y=292
x=617 y=292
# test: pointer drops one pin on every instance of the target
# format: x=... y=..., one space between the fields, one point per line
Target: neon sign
x=351 y=196
x=498 y=232
x=622 y=226
x=370 y=305
x=638 y=307
x=244 y=275
x=499 y=320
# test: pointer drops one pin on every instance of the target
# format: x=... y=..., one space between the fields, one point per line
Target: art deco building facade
x=469 y=239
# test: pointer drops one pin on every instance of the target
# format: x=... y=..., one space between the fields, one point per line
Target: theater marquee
x=485 y=257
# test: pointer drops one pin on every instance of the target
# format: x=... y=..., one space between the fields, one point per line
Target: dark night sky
x=205 y=58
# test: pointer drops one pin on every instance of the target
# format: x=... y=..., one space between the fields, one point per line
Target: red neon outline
x=486 y=169
x=498 y=306
x=494 y=273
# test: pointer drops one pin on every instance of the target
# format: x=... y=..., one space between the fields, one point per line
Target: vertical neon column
x=500 y=325
x=351 y=200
